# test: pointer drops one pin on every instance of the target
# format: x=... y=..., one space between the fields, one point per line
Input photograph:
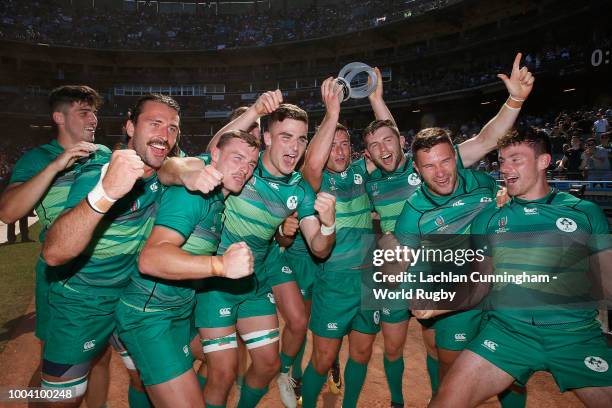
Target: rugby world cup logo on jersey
x=502 y=223
x=440 y=223
x=292 y=202
x=596 y=364
x=414 y=179
x=566 y=224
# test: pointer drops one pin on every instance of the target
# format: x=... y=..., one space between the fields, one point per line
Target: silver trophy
x=352 y=83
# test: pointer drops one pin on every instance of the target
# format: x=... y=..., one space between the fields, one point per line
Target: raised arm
x=519 y=86
x=163 y=257
x=321 y=144
x=72 y=231
x=20 y=198
x=267 y=103
x=381 y=111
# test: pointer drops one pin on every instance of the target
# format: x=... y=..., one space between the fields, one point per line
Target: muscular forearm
x=319 y=149
x=174 y=169
x=321 y=245
x=167 y=261
x=19 y=199
x=381 y=111
x=70 y=234
x=242 y=122
x=474 y=149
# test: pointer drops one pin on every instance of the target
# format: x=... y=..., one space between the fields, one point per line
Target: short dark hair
x=430 y=137
x=153 y=97
x=377 y=124
x=238 y=134
x=341 y=128
x=69 y=94
x=288 y=111
x=237 y=112
x=537 y=139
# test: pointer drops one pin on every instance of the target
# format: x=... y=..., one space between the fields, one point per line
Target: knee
x=324 y=358
x=393 y=350
x=222 y=375
x=361 y=355
x=297 y=324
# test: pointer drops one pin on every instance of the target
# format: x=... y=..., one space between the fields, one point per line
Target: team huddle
x=173 y=259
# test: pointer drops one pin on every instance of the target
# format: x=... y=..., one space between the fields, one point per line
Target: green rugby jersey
x=105 y=265
x=552 y=236
x=389 y=191
x=355 y=239
x=198 y=219
x=265 y=201
x=33 y=162
x=429 y=214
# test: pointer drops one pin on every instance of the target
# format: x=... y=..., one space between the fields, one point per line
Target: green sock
x=354 y=377
x=138 y=399
x=512 y=399
x=286 y=362
x=209 y=405
x=395 y=373
x=432 y=370
x=296 y=370
x=311 y=386
x=201 y=380
x=249 y=397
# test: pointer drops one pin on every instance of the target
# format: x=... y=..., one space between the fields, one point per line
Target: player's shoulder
x=589 y=208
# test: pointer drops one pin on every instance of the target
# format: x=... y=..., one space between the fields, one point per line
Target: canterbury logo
x=460 y=337
x=458 y=203
x=89 y=345
x=491 y=345
x=332 y=326
x=225 y=311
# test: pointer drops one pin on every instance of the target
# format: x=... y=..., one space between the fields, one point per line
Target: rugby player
x=155 y=314
x=41 y=181
x=274 y=193
x=336 y=305
x=109 y=213
x=550 y=334
x=394 y=181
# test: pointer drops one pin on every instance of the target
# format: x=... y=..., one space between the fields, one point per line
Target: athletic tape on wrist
x=97 y=195
x=516 y=99
x=328 y=230
x=220 y=343
x=510 y=107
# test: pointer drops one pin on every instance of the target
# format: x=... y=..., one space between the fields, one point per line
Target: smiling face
x=438 y=168
x=523 y=170
x=384 y=147
x=340 y=154
x=154 y=133
x=286 y=142
x=78 y=121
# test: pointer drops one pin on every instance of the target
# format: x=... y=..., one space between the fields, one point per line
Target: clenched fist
x=125 y=168
x=325 y=204
x=290 y=226
x=205 y=180
x=69 y=156
x=268 y=102
x=237 y=261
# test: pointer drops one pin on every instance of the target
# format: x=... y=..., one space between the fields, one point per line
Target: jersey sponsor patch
x=566 y=224
x=597 y=364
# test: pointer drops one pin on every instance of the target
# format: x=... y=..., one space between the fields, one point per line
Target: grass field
x=17 y=263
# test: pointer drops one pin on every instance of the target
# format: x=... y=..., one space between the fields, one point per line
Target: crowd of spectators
x=146 y=28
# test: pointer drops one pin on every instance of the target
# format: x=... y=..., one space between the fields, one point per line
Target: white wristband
x=328 y=230
x=98 y=195
x=280 y=230
x=510 y=107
